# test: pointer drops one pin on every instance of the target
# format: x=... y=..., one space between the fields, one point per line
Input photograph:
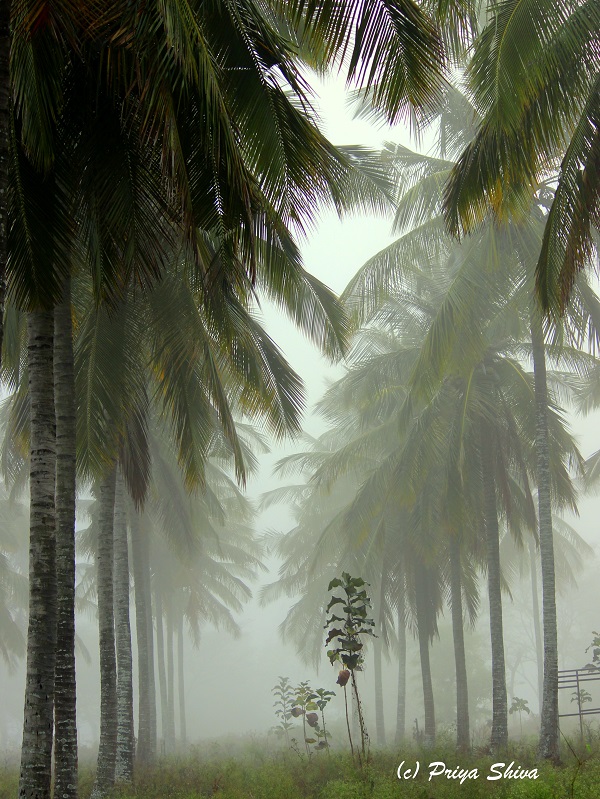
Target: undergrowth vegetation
x=251 y=771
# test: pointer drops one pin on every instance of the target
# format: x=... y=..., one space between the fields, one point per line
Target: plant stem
x=304 y=731
x=361 y=721
x=325 y=731
x=348 y=722
x=285 y=720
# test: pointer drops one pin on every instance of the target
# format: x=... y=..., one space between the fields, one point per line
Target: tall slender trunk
x=65 y=695
x=146 y=545
x=424 y=638
x=4 y=151
x=170 y=737
x=107 y=749
x=549 y=730
x=499 y=737
x=38 y=721
x=181 y=682
x=379 y=716
x=162 y=674
x=537 y=630
x=125 y=731
x=462 y=692
x=401 y=701
x=514 y=667
x=146 y=744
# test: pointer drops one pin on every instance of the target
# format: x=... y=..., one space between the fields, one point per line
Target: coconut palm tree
x=419 y=212
x=570 y=549
x=4 y=150
x=112 y=339
x=202 y=552
x=120 y=344
x=46 y=187
x=210 y=172
x=146 y=738
x=107 y=750
x=65 y=718
x=200 y=589
x=393 y=51
x=320 y=542
x=537 y=117
x=41 y=640
x=125 y=727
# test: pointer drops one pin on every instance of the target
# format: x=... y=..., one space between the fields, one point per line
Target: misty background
x=229 y=680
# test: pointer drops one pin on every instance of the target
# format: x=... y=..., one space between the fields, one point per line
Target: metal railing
x=573 y=678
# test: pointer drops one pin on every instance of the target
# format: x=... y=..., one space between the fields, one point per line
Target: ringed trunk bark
x=4 y=151
x=125 y=732
x=146 y=544
x=162 y=674
x=65 y=695
x=499 y=736
x=107 y=750
x=170 y=737
x=424 y=637
x=549 y=729
x=379 y=715
x=38 y=721
x=537 y=631
x=181 y=682
x=401 y=702
x=462 y=692
x=146 y=743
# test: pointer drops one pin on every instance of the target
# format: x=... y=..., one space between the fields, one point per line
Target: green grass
x=255 y=773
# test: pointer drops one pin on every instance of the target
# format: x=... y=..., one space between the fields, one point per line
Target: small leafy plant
x=581 y=697
x=345 y=632
x=301 y=701
x=519 y=706
x=322 y=700
x=304 y=706
x=284 y=697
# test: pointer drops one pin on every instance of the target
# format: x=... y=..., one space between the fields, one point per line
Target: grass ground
x=253 y=772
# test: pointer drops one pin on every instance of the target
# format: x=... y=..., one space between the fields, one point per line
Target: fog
x=229 y=680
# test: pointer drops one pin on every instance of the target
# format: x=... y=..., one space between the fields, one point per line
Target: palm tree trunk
x=549 y=731
x=160 y=654
x=537 y=631
x=38 y=722
x=462 y=692
x=499 y=737
x=146 y=541
x=4 y=151
x=379 y=717
x=181 y=682
x=170 y=737
x=513 y=672
x=65 y=695
x=146 y=743
x=401 y=702
x=125 y=731
x=424 y=637
x=107 y=750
